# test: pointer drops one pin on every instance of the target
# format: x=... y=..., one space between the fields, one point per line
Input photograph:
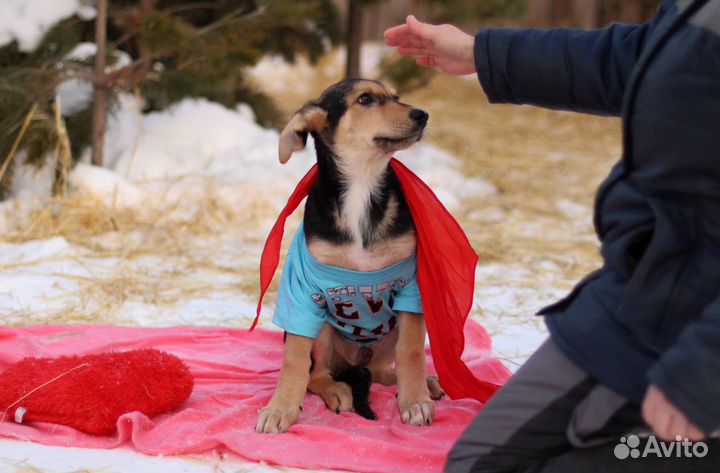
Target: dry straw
x=21 y=134
x=169 y=232
x=536 y=159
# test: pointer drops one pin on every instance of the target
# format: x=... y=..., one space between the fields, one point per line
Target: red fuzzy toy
x=90 y=392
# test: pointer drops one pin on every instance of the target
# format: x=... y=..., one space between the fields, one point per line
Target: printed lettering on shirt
x=319 y=299
x=374 y=305
x=351 y=307
x=345 y=309
x=341 y=291
x=381 y=288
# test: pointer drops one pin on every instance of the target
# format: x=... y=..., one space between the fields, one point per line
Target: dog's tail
x=359 y=379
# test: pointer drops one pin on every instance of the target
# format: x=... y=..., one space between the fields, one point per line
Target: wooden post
x=100 y=84
x=587 y=12
x=631 y=11
x=354 y=39
x=540 y=13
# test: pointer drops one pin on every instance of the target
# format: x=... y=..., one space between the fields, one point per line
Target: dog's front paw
x=418 y=410
x=276 y=420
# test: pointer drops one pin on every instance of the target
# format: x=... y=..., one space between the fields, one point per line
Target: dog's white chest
x=356 y=258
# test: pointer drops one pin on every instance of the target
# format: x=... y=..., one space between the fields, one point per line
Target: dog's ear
x=293 y=138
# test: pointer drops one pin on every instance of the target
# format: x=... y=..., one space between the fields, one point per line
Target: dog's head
x=355 y=119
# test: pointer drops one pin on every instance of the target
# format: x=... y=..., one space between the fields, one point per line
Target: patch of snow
x=77 y=94
x=505 y=305
x=108 y=187
x=571 y=209
x=441 y=171
x=86 y=12
x=212 y=310
x=31 y=181
x=273 y=71
x=33 y=251
x=173 y=160
x=178 y=151
x=27 y=21
x=269 y=68
x=371 y=55
x=26 y=456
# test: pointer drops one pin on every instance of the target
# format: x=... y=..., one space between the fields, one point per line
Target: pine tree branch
x=236 y=14
x=113 y=77
x=191 y=6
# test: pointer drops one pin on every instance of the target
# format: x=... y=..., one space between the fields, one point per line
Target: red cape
x=446 y=277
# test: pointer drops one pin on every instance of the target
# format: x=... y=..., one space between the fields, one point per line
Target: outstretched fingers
x=397 y=35
x=412 y=34
x=419 y=29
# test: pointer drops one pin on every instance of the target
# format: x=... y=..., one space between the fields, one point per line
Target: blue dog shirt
x=362 y=306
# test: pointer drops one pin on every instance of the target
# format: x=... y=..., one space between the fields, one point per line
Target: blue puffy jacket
x=651 y=315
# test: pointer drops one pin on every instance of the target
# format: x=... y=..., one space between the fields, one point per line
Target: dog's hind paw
x=436 y=391
x=338 y=397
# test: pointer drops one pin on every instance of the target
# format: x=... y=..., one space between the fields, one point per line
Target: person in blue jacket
x=635 y=347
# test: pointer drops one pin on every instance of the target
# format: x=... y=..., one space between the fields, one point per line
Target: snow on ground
x=76 y=94
x=272 y=71
x=205 y=185
x=168 y=162
x=28 y=457
x=26 y=21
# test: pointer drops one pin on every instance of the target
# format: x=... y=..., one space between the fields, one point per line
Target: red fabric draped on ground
x=235 y=374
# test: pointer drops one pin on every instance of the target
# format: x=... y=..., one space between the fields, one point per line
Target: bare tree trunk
x=631 y=11
x=540 y=12
x=100 y=84
x=562 y=11
x=587 y=12
x=354 y=39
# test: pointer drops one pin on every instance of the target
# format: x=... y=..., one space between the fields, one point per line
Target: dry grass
x=182 y=242
x=536 y=158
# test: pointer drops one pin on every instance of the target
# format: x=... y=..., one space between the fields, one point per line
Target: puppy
x=348 y=298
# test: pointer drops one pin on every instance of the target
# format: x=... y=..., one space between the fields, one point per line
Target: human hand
x=666 y=420
x=443 y=46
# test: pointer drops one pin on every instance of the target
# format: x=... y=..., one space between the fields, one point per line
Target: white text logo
x=682 y=448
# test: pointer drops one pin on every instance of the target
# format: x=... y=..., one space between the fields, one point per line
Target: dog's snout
x=419 y=116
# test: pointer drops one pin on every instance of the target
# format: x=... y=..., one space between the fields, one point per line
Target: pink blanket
x=235 y=374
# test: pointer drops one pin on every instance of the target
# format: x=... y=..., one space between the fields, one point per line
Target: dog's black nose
x=419 y=116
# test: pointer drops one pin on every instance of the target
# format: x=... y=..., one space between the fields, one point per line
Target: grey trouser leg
x=552 y=417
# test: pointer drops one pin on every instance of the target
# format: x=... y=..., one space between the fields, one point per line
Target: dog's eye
x=366 y=99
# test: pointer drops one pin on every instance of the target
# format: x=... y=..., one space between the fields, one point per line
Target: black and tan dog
x=356 y=218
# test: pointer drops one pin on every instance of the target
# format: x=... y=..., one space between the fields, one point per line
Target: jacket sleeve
x=566 y=69
x=688 y=373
